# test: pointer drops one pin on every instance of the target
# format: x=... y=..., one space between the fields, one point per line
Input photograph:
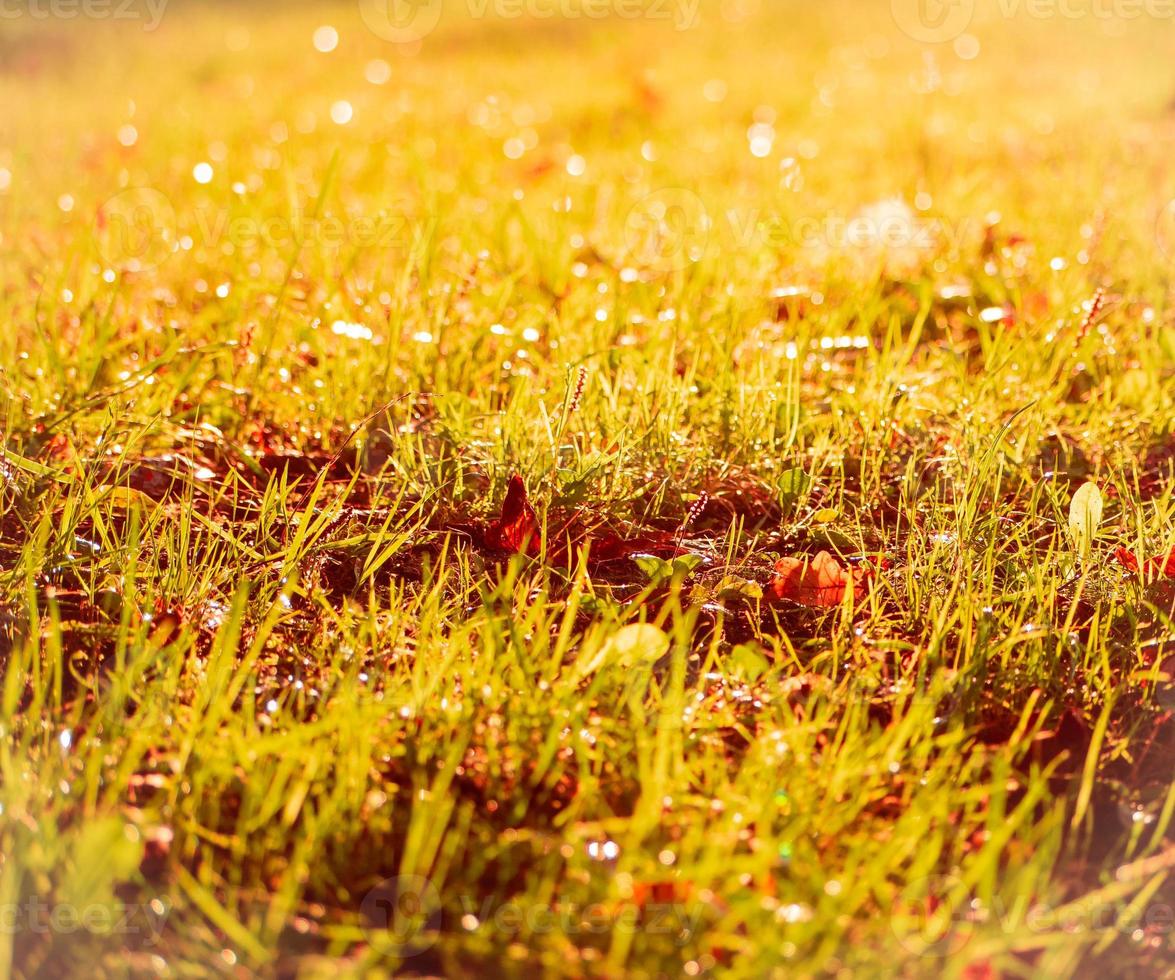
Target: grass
x=282 y=695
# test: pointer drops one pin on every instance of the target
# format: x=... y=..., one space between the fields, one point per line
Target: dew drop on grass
x=354 y=331
x=607 y=850
x=794 y=912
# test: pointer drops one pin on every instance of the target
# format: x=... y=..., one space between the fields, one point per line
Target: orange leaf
x=518 y=527
x=820 y=581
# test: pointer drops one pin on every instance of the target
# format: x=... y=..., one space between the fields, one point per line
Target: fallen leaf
x=610 y=547
x=629 y=646
x=1126 y=559
x=1085 y=514
x=517 y=529
x=1159 y=565
x=819 y=581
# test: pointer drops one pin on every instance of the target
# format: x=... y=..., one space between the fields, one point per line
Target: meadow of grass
x=289 y=686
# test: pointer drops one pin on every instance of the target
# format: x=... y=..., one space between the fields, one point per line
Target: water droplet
x=355 y=331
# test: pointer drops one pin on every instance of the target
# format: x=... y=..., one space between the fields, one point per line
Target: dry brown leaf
x=819 y=581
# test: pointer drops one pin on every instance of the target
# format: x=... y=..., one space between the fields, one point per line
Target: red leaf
x=518 y=527
x=820 y=581
x=1156 y=566
x=1126 y=559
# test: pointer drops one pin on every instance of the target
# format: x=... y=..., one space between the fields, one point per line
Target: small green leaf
x=740 y=588
x=685 y=564
x=655 y=568
x=659 y=570
x=629 y=646
x=832 y=539
x=105 y=856
x=747 y=662
x=793 y=484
